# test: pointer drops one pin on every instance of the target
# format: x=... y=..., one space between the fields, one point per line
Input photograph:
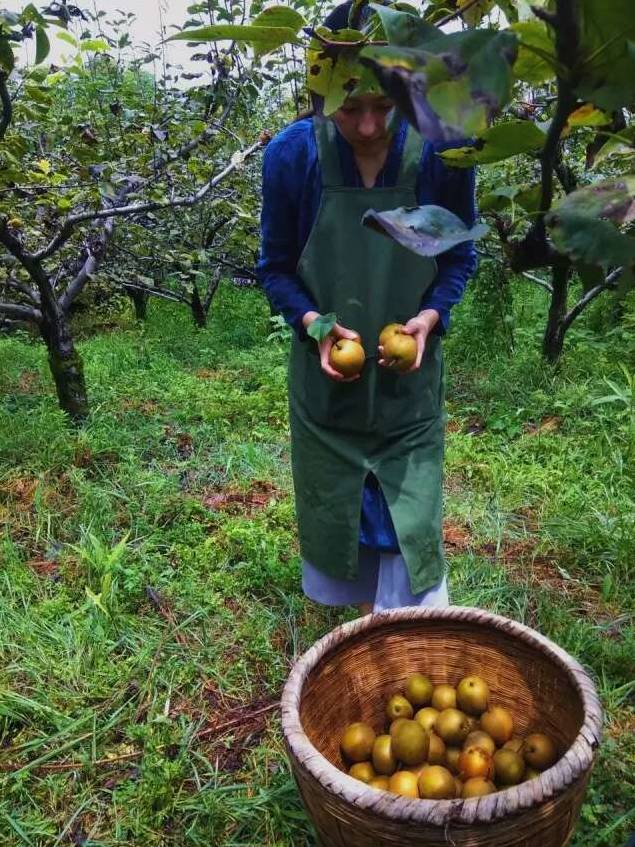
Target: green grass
x=96 y=666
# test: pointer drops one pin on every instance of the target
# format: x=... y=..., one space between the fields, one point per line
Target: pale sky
x=146 y=27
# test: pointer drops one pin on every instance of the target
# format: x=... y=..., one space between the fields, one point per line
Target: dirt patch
x=85 y=458
x=523 y=565
x=237 y=502
x=146 y=407
x=245 y=725
x=456 y=537
x=547 y=425
x=45 y=568
x=19 y=492
x=229 y=727
x=29 y=382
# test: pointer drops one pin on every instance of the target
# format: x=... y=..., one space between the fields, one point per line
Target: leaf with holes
x=334 y=72
x=477 y=61
x=584 y=224
x=426 y=230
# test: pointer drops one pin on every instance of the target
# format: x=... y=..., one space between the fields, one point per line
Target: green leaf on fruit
x=425 y=230
x=320 y=328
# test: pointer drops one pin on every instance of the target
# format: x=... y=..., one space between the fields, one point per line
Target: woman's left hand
x=419 y=327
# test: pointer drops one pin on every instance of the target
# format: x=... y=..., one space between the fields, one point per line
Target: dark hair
x=337 y=18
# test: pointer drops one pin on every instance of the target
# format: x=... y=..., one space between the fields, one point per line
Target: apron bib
x=384 y=422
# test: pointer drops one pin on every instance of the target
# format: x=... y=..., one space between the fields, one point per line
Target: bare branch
x=137 y=208
x=542 y=282
x=21 y=313
x=610 y=282
x=7 y=106
x=13 y=244
x=88 y=268
x=28 y=291
x=246 y=272
x=157 y=292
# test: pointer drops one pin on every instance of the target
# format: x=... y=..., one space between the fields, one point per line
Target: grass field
x=149 y=584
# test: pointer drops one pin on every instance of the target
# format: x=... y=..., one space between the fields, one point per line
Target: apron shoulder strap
x=410 y=159
x=328 y=155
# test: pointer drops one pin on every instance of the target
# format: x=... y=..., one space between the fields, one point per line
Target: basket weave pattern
x=348 y=675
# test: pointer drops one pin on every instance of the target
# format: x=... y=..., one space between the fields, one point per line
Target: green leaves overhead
x=426 y=230
x=7 y=59
x=608 y=52
x=584 y=224
x=497 y=143
x=536 y=62
x=334 y=72
x=271 y=29
x=403 y=28
x=42 y=45
x=476 y=62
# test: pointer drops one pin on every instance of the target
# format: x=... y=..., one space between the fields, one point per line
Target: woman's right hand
x=324 y=347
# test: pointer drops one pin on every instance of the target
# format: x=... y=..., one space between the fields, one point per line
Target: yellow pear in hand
x=347 y=356
x=400 y=349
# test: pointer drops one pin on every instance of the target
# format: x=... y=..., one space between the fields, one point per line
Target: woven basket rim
x=520 y=798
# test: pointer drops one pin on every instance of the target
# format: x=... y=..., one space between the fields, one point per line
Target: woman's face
x=363 y=121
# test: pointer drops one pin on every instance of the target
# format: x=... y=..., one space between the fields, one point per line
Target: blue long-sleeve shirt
x=291 y=193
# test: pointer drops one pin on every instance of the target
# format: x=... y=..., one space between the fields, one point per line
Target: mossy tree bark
x=555 y=330
x=65 y=362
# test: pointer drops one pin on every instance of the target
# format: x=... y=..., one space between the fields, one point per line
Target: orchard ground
x=150 y=603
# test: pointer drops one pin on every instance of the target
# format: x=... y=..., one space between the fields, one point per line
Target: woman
x=367 y=453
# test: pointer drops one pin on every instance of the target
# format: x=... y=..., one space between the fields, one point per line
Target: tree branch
x=88 y=268
x=542 y=282
x=7 y=106
x=157 y=292
x=246 y=272
x=136 y=208
x=565 y=22
x=610 y=282
x=13 y=244
x=29 y=292
x=21 y=313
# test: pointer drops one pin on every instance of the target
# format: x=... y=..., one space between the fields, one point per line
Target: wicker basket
x=347 y=676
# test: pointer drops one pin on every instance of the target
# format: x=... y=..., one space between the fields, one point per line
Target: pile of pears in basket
x=442 y=743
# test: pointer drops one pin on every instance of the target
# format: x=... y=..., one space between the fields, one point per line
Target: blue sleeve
x=283 y=170
x=454 y=189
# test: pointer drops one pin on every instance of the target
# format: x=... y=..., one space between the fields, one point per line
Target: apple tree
x=94 y=143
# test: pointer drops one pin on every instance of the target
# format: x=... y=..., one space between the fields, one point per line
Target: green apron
x=386 y=423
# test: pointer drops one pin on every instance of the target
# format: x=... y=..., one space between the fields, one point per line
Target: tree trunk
x=65 y=363
x=554 y=333
x=140 y=301
x=198 y=312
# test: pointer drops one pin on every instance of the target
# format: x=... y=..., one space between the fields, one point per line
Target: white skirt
x=383 y=581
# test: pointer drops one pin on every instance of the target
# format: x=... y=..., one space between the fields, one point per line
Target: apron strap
x=410 y=160
x=328 y=155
